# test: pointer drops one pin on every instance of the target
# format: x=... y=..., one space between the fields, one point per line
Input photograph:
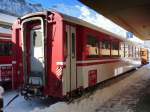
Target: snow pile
x=1 y=91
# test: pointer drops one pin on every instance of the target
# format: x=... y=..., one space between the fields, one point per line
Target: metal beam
x=133 y=15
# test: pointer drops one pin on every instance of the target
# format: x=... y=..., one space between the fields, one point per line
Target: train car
x=6 y=59
x=59 y=55
x=144 y=56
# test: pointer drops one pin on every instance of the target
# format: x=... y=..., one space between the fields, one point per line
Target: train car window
x=122 y=48
x=137 y=52
x=115 y=48
x=130 y=49
x=37 y=38
x=134 y=52
x=92 y=47
x=66 y=45
x=5 y=49
x=136 y=56
x=126 y=50
x=106 y=44
x=105 y=51
x=100 y=46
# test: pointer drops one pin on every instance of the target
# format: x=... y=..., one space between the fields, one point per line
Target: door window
x=73 y=45
x=37 y=38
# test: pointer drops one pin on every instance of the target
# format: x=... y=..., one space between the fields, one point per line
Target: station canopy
x=133 y=15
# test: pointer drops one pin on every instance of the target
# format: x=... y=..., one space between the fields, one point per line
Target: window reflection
x=5 y=49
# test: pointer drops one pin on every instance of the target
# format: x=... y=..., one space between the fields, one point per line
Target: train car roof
x=5 y=36
x=94 y=27
x=83 y=23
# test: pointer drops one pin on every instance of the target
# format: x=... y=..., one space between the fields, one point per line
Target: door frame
x=32 y=49
x=24 y=49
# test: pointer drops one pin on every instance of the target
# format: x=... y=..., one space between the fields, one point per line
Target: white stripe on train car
x=5 y=38
x=60 y=63
x=87 y=61
x=93 y=61
x=1 y=65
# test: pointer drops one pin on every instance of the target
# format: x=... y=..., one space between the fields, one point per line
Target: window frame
x=108 y=48
x=122 y=47
x=115 y=49
x=98 y=46
x=8 y=50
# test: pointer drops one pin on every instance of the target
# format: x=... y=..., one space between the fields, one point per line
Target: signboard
x=129 y=35
x=5 y=73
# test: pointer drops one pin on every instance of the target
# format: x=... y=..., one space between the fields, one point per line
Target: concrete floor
x=128 y=93
x=143 y=105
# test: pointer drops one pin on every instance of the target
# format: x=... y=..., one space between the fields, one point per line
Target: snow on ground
x=119 y=96
x=21 y=105
x=1 y=91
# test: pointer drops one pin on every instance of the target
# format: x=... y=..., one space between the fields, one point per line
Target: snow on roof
x=4 y=30
x=7 y=18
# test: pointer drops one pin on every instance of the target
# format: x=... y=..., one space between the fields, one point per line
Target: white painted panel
x=104 y=71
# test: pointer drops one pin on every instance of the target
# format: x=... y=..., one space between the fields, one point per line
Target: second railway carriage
x=6 y=69
x=60 y=54
x=144 y=56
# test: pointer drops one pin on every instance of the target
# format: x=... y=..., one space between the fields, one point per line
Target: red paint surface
x=6 y=71
x=5 y=59
x=17 y=55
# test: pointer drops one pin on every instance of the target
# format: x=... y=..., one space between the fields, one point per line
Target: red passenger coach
x=59 y=54
x=6 y=69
